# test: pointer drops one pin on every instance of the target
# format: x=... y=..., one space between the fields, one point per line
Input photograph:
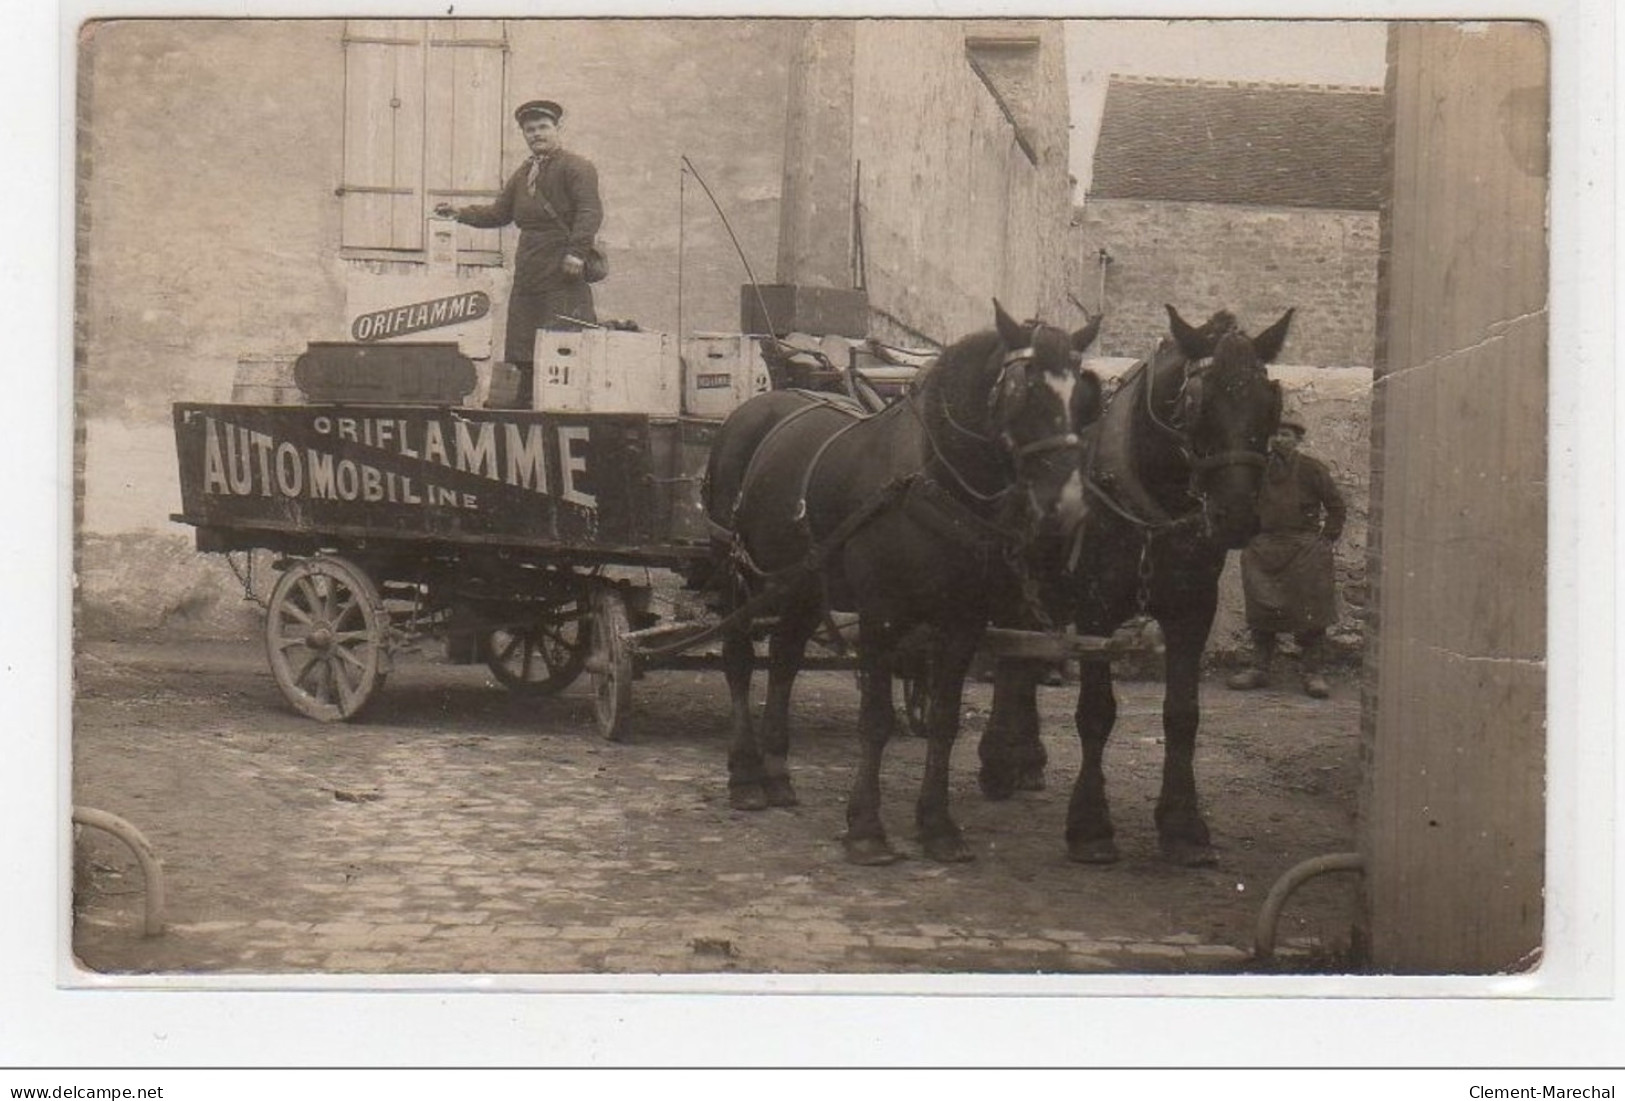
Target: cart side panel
x=575 y=480
x=679 y=451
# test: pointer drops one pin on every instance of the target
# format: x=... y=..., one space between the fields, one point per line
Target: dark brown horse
x=1173 y=468
x=911 y=518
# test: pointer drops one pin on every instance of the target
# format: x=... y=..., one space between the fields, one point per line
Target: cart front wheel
x=326 y=636
x=542 y=658
x=611 y=666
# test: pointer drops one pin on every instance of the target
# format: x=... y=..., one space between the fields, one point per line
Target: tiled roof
x=1251 y=144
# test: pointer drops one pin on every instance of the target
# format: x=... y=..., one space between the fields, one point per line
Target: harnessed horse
x=913 y=517
x=1173 y=469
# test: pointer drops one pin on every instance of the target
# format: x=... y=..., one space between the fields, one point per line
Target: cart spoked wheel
x=611 y=665
x=326 y=635
x=542 y=658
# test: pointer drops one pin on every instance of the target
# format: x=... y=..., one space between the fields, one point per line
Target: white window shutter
x=384 y=62
x=466 y=111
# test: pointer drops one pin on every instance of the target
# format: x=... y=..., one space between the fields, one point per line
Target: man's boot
x=1314 y=661
x=1256 y=675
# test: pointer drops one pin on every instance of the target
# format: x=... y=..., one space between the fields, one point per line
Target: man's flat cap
x=538 y=108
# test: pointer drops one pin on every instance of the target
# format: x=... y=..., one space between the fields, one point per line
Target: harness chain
x=1162 y=524
x=246 y=576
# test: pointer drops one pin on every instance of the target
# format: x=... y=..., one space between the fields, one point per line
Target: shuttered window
x=423 y=124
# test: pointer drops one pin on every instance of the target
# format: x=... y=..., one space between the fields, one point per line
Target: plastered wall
x=209 y=232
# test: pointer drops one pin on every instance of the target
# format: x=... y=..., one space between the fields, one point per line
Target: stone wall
x=954 y=211
x=1254 y=261
x=209 y=227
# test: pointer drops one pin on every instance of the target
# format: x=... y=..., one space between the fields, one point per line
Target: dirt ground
x=459 y=828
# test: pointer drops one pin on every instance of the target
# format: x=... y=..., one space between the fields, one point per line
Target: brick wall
x=1254 y=261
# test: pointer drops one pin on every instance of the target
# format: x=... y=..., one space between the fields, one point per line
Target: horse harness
x=918 y=492
x=1005 y=384
x=1159 y=523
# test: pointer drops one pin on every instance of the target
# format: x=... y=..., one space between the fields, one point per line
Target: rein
x=934 y=502
x=1199 y=464
x=913 y=403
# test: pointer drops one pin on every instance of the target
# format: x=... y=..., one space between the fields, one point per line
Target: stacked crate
x=611 y=371
x=607 y=371
x=721 y=371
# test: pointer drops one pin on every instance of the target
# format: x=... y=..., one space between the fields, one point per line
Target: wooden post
x=1452 y=815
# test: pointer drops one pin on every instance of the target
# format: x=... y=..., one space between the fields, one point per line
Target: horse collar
x=1110 y=465
x=947 y=464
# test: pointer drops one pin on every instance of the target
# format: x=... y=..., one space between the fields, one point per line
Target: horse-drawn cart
x=545 y=544
x=517 y=536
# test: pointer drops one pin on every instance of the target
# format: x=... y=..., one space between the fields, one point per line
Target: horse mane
x=973 y=349
x=977 y=349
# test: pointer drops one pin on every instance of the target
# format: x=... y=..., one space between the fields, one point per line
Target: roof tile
x=1249 y=144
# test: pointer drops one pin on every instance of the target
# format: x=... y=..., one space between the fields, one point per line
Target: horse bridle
x=1014 y=358
x=1201 y=465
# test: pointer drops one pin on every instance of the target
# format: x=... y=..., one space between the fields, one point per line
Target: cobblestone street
x=461 y=830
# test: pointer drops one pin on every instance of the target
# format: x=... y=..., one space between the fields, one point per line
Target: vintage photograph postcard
x=826 y=505
x=1112 y=468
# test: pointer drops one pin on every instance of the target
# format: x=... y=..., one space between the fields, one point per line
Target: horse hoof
x=870 y=852
x=947 y=850
x=1098 y=850
x=996 y=786
x=1030 y=779
x=1188 y=854
x=747 y=797
x=780 y=793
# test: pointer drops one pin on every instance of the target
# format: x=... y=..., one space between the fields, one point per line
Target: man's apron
x=1288 y=580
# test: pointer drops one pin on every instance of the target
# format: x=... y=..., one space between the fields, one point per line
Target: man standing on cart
x=553 y=199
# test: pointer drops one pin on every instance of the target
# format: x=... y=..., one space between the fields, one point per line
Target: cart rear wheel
x=611 y=665
x=326 y=635
x=541 y=658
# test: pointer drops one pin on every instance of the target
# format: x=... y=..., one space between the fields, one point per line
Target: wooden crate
x=607 y=371
x=721 y=371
